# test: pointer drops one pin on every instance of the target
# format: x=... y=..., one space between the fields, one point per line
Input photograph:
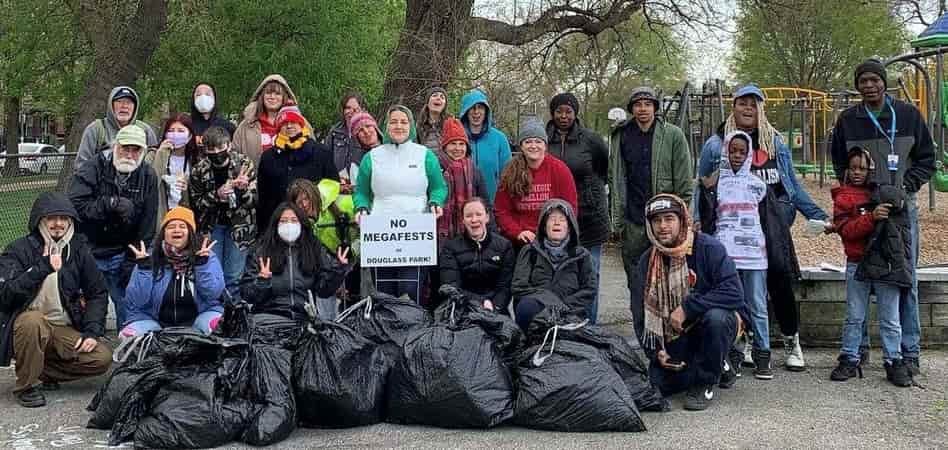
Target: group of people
x=171 y=227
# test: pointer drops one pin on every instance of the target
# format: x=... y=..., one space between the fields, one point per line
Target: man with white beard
x=116 y=197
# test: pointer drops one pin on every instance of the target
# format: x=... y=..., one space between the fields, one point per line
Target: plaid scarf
x=459 y=177
x=180 y=260
x=665 y=286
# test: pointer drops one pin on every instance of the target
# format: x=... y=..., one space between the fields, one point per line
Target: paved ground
x=795 y=410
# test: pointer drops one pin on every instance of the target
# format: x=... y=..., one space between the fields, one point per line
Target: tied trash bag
x=272 y=390
x=123 y=400
x=569 y=386
x=625 y=355
x=385 y=320
x=453 y=374
x=339 y=377
x=189 y=412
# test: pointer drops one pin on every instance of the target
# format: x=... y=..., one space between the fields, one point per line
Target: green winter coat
x=326 y=228
x=672 y=168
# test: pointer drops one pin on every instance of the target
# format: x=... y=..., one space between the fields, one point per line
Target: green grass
x=15 y=213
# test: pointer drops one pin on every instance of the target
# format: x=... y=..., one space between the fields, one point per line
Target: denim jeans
x=593 y=310
x=857 y=315
x=111 y=269
x=232 y=259
x=703 y=349
x=908 y=301
x=202 y=323
x=755 y=296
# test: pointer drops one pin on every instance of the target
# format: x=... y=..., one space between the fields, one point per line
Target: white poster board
x=404 y=240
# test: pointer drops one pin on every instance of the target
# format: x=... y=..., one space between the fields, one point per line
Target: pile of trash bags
x=383 y=359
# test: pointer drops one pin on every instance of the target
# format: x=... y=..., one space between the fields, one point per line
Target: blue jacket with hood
x=490 y=149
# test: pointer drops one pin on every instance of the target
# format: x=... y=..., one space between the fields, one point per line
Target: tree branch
x=554 y=20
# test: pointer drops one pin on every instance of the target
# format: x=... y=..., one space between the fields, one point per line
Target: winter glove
x=122 y=207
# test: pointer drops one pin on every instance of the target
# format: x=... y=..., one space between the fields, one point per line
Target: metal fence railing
x=22 y=179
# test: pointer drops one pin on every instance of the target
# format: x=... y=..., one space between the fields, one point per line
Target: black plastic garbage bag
x=385 y=320
x=339 y=377
x=460 y=312
x=272 y=390
x=122 y=400
x=569 y=386
x=239 y=322
x=452 y=379
x=190 y=412
x=624 y=354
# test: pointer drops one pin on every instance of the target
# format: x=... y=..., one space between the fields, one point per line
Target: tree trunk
x=430 y=48
x=122 y=45
x=11 y=125
x=437 y=34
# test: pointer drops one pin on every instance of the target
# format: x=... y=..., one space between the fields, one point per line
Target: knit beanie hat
x=643 y=93
x=453 y=130
x=871 y=65
x=290 y=113
x=565 y=98
x=360 y=120
x=532 y=128
x=434 y=90
x=179 y=213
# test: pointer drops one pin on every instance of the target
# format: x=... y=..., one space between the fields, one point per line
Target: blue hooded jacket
x=145 y=293
x=490 y=149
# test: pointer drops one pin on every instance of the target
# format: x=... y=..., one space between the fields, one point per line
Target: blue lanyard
x=891 y=135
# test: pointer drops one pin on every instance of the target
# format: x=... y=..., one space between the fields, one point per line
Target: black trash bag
x=451 y=378
x=128 y=387
x=624 y=354
x=460 y=311
x=239 y=322
x=339 y=377
x=271 y=391
x=386 y=320
x=569 y=386
x=190 y=412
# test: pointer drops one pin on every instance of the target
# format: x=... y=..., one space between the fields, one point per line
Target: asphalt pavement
x=794 y=410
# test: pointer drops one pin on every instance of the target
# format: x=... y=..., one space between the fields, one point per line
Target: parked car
x=42 y=159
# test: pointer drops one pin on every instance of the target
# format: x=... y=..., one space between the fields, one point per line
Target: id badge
x=893 y=162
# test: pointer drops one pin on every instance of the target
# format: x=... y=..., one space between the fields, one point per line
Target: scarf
x=766 y=131
x=557 y=251
x=459 y=177
x=47 y=299
x=285 y=142
x=180 y=260
x=665 y=286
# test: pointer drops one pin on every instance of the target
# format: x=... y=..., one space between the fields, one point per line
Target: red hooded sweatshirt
x=516 y=215
x=852 y=215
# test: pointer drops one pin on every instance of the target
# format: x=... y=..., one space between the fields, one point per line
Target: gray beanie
x=643 y=93
x=531 y=127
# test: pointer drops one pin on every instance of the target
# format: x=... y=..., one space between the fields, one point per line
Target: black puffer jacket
x=887 y=256
x=23 y=268
x=572 y=285
x=480 y=270
x=287 y=292
x=278 y=168
x=90 y=192
x=587 y=157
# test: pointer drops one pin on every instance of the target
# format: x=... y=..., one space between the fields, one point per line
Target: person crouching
x=179 y=285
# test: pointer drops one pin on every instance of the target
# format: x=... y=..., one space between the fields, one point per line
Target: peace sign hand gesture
x=206 y=246
x=141 y=252
x=242 y=180
x=264 y=268
x=343 y=255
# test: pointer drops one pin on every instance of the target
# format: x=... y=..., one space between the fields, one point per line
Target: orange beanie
x=179 y=213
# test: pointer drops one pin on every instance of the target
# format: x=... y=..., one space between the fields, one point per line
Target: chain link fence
x=22 y=178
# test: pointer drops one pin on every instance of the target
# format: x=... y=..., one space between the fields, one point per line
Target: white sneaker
x=794 y=354
x=748 y=348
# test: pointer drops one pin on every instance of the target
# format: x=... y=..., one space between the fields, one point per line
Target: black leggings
x=780 y=288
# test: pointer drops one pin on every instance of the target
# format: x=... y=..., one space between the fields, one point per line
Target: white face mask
x=289 y=232
x=204 y=103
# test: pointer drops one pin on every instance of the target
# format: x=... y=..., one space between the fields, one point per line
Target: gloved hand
x=122 y=207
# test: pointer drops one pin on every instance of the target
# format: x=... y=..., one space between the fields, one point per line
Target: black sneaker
x=898 y=373
x=736 y=358
x=846 y=369
x=699 y=397
x=31 y=398
x=49 y=386
x=762 y=369
x=728 y=375
x=912 y=363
